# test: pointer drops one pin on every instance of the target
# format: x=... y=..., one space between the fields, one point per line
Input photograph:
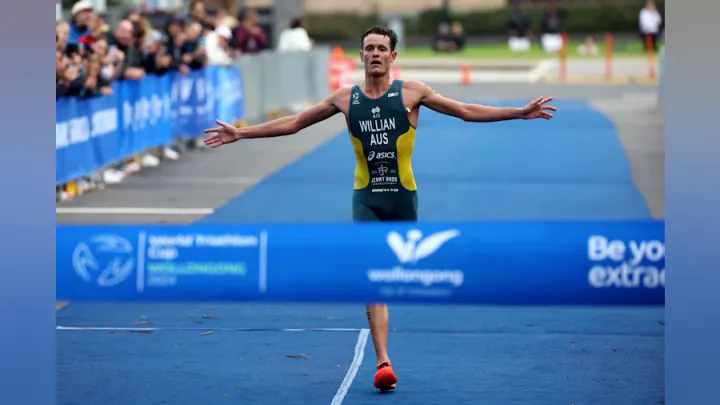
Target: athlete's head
x=378 y=50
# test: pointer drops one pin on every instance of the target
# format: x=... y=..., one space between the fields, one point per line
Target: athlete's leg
x=379 y=320
x=377 y=314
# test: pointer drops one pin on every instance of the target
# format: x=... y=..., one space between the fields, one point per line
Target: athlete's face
x=377 y=55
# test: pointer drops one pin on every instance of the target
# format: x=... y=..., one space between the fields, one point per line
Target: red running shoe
x=385 y=378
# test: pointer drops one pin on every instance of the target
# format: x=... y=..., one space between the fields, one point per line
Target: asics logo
x=380 y=155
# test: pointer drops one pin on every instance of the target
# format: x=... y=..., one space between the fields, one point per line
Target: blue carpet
x=570 y=168
x=442 y=354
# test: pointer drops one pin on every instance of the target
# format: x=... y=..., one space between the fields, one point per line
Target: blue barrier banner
x=93 y=133
x=575 y=263
x=228 y=96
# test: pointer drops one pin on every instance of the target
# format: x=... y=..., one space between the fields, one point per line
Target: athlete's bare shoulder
x=414 y=93
x=340 y=99
x=418 y=87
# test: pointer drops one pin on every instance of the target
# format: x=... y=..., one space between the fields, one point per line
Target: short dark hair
x=296 y=23
x=380 y=30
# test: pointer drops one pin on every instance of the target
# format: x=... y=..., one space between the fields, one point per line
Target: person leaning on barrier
x=193 y=51
x=68 y=78
x=123 y=39
x=151 y=43
x=174 y=40
x=111 y=61
x=95 y=84
x=157 y=59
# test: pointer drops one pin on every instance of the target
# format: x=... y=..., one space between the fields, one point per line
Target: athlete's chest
x=386 y=115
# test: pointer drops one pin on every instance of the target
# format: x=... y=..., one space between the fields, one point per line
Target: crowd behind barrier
x=130 y=95
x=139 y=115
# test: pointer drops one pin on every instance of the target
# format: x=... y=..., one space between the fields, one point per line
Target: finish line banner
x=518 y=263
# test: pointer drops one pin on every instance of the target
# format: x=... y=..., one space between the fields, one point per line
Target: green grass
x=501 y=51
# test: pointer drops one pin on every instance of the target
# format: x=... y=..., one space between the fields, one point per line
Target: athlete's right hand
x=221 y=135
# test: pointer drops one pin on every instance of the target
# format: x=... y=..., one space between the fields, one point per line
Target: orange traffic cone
x=465 y=75
x=395 y=73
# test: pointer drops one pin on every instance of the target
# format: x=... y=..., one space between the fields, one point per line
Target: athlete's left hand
x=538 y=109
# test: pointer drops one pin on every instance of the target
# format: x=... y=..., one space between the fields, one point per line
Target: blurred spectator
x=588 y=47
x=217 y=46
x=157 y=60
x=98 y=26
x=224 y=18
x=249 y=36
x=192 y=49
x=68 y=78
x=199 y=14
x=95 y=84
x=458 y=35
x=551 y=29
x=175 y=39
x=519 y=30
x=443 y=41
x=124 y=39
x=651 y=24
x=62 y=32
x=81 y=16
x=111 y=62
x=295 y=38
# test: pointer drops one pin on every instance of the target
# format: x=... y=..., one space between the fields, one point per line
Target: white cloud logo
x=120 y=265
x=410 y=251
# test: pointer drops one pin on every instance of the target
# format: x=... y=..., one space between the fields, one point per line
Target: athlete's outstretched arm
x=293 y=124
x=480 y=113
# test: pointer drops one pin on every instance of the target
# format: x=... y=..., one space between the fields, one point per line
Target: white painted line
x=203 y=180
x=183 y=328
x=541 y=70
x=132 y=211
x=354 y=366
x=642 y=96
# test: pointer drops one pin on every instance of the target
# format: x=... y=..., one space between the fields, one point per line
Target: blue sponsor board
x=576 y=263
x=92 y=133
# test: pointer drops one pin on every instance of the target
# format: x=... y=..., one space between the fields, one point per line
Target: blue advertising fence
x=93 y=133
x=518 y=263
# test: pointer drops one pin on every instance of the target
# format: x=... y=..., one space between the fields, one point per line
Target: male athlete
x=382 y=116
